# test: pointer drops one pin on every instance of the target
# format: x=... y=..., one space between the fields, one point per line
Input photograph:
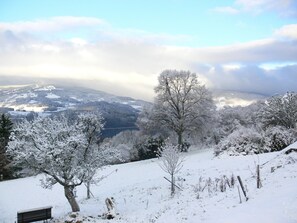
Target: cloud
x=267 y=4
x=253 y=79
x=127 y=62
x=253 y=52
x=288 y=31
x=282 y=7
x=286 y=8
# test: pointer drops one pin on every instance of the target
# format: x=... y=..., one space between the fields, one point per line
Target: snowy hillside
x=49 y=98
x=143 y=195
x=120 y=113
x=236 y=98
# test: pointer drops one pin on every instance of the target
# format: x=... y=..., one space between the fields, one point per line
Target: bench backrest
x=34 y=215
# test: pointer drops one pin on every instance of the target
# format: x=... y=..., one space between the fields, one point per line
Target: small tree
x=92 y=125
x=171 y=162
x=58 y=148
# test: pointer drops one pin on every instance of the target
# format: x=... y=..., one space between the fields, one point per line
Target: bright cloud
x=264 y=4
x=283 y=7
x=289 y=31
x=128 y=61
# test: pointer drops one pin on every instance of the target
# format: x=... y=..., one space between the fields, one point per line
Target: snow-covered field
x=142 y=194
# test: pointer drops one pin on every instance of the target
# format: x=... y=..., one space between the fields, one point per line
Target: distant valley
x=120 y=113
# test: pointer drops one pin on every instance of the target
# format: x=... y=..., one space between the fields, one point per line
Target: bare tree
x=182 y=103
x=171 y=162
x=60 y=149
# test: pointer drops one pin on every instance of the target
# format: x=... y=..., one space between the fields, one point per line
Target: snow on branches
x=64 y=150
x=171 y=162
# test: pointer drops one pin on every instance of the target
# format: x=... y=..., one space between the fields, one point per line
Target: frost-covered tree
x=121 y=147
x=59 y=148
x=91 y=124
x=278 y=137
x=182 y=103
x=280 y=110
x=6 y=126
x=242 y=141
x=171 y=162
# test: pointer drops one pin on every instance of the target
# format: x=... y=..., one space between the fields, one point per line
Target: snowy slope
x=49 y=98
x=142 y=194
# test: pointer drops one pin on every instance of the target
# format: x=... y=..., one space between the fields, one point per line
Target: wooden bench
x=36 y=214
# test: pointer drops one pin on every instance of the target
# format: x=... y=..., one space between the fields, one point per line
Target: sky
x=121 y=46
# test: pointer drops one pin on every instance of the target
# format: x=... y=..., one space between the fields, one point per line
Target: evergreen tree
x=5 y=131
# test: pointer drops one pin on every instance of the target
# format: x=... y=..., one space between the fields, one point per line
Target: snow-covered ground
x=52 y=96
x=142 y=194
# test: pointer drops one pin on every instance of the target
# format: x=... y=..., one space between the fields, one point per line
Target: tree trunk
x=180 y=141
x=88 y=190
x=172 y=185
x=71 y=199
x=258 y=177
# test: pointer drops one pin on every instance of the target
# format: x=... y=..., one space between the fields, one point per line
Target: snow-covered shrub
x=278 y=138
x=184 y=147
x=116 y=154
x=242 y=141
x=149 y=149
x=280 y=110
x=121 y=147
x=126 y=137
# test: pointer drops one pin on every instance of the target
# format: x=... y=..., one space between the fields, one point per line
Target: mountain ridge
x=120 y=113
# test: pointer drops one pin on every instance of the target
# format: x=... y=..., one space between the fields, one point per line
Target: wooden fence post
x=242 y=188
x=259 y=184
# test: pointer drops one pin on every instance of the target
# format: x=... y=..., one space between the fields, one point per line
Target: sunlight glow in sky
x=122 y=46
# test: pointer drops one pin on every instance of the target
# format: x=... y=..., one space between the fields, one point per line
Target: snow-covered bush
x=280 y=110
x=129 y=138
x=117 y=154
x=229 y=119
x=278 y=138
x=149 y=148
x=242 y=141
x=121 y=147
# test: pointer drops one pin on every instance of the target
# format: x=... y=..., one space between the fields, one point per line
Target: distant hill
x=236 y=98
x=120 y=113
